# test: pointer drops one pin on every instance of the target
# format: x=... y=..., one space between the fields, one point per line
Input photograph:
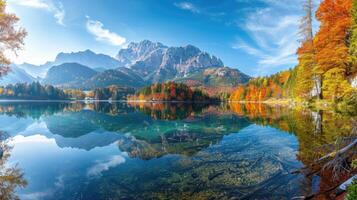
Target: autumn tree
x=262 y=88
x=353 y=41
x=170 y=91
x=305 y=78
x=11 y=37
x=332 y=41
x=335 y=84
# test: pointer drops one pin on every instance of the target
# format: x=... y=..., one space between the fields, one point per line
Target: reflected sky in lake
x=162 y=151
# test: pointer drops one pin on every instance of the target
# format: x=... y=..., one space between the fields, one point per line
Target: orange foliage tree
x=332 y=42
x=11 y=38
x=262 y=88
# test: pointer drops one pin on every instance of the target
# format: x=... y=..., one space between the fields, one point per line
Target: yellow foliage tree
x=306 y=56
x=335 y=85
x=11 y=37
x=332 y=48
x=304 y=71
x=353 y=41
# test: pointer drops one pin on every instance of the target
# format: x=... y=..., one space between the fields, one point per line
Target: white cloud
x=100 y=167
x=32 y=3
x=56 y=9
x=187 y=6
x=273 y=39
x=247 y=48
x=59 y=14
x=97 y=29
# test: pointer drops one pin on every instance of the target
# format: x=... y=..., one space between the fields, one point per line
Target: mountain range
x=99 y=62
x=139 y=64
x=16 y=75
x=156 y=62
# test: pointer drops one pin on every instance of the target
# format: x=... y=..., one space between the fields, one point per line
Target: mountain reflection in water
x=73 y=150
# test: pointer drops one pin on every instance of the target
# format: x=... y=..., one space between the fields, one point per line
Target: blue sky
x=259 y=37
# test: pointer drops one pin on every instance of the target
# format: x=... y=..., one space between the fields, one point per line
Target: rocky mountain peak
x=63 y=55
x=157 y=62
x=146 y=45
x=139 y=51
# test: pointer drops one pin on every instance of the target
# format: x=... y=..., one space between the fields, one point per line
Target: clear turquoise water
x=116 y=151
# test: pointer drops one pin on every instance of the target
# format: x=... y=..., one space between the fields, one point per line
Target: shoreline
x=286 y=102
x=96 y=100
x=271 y=102
x=109 y=101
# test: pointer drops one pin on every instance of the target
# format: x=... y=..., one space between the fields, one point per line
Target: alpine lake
x=119 y=150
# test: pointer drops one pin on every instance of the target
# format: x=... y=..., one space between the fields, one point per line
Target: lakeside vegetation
x=114 y=93
x=262 y=88
x=327 y=64
x=170 y=91
x=32 y=91
x=36 y=91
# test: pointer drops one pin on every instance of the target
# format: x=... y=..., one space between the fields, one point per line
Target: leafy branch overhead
x=11 y=37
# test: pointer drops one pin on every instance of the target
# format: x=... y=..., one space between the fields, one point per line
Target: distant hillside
x=87 y=58
x=68 y=74
x=215 y=77
x=16 y=75
x=121 y=77
x=34 y=70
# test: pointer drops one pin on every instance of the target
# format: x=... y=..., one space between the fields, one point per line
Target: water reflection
x=318 y=133
x=314 y=129
x=173 y=111
x=170 y=151
x=11 y=177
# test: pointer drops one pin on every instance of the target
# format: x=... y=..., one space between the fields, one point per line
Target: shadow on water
x=189 y=151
